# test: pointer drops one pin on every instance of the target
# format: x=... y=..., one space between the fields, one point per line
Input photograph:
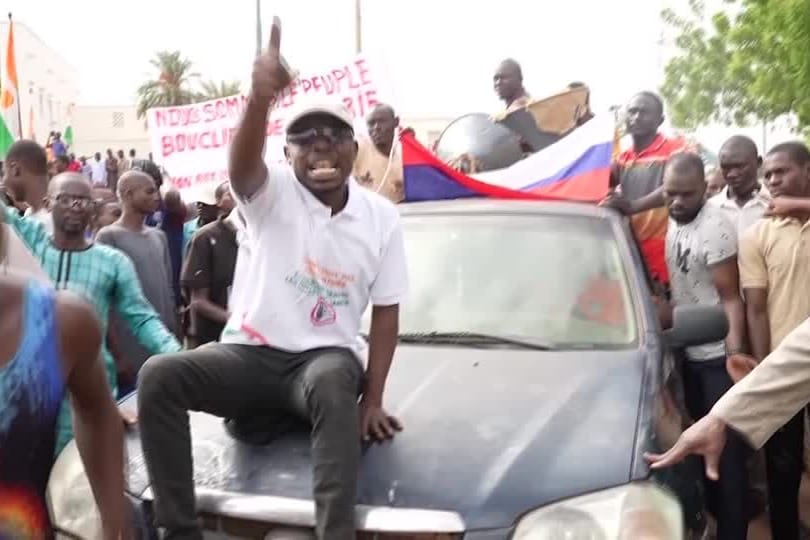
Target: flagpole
x=358 y=27
x=258 y=28
x=19 y=103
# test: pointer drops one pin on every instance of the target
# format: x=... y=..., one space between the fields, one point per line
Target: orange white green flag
x=10 y=129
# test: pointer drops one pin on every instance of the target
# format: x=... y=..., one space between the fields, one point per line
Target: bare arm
x=759 y=328
x=97 y=425
x=246 y=166
x=382 y=342
x=648 y=202
x=726 y=280
x=202 y=306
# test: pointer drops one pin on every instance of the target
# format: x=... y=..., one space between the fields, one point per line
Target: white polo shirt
x=745 y=216
x=311 y=275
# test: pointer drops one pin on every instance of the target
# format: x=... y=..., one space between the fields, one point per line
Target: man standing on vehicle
x=701 y=254
x=322 y=247
x=637 y=178
x=508 y=83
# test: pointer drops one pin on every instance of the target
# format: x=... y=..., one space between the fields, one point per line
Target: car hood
x=488 y=434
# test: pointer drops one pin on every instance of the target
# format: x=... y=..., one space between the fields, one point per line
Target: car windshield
x=556 y=280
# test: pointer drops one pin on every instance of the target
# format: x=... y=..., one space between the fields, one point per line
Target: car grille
x=240 y=528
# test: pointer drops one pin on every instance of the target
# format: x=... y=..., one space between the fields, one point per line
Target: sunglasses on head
x=333 y=135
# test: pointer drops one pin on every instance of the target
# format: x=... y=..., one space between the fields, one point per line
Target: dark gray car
x=531 y=376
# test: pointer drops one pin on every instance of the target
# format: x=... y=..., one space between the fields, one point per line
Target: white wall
x=96 y=129
x=47 y=82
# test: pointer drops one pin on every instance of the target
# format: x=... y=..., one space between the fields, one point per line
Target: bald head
x=508 y=81
x=512 y=67
x=70 y=182
x=684 y=186
x=383 y=109
x=132 y=180
x=739 y=164
x=382 y=125
x=138 y=193
x=687 y=164
x=741 y=144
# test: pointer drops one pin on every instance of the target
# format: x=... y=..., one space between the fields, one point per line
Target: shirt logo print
x=682 y=258
x=323 y=313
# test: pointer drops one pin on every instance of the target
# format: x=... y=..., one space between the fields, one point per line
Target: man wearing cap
x=207 y=200
x=321 y=249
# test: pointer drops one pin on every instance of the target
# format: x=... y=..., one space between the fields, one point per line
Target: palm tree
x=172 y=86
x=212 y=90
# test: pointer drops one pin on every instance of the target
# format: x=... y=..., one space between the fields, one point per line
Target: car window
x=555 y=278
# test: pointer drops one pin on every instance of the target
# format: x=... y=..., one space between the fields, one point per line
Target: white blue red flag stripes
x=576 y=167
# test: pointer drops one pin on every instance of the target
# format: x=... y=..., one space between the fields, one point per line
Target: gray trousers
x=233 y=381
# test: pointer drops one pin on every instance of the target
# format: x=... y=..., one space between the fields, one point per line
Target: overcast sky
x=439 y=55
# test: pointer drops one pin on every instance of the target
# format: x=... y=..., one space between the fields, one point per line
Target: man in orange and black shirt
x=637 y=177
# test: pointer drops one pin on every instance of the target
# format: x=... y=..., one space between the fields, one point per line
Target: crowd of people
x=229 y=305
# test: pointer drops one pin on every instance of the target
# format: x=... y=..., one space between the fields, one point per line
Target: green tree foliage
x=749 y=62
x=213 y=90
x=172 y=86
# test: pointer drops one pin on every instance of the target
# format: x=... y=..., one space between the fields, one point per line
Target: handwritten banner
x=191 y=141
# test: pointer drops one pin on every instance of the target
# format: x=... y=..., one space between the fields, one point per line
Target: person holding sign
x=322 y=247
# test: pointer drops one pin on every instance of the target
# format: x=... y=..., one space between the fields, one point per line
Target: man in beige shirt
x=764 y=400
x=378 y=165
x=775 y=265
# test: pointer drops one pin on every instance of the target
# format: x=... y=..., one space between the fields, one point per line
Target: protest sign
x=191 y=141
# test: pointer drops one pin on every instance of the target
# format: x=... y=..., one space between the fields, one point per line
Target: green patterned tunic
x=105 y=277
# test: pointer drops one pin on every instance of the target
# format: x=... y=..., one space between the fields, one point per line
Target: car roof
x=506 y=206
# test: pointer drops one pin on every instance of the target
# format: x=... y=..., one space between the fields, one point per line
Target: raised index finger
x=275 y=37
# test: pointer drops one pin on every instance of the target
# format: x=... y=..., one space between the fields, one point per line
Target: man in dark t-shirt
x=208 y=274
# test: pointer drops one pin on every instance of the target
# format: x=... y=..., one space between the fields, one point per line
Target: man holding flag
x=637 y=178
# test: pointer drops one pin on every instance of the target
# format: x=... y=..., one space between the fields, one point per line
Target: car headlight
x=635 y=511
x=70 y=498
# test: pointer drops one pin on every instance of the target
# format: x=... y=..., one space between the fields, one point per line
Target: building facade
x=98 y=128
x=48 y=84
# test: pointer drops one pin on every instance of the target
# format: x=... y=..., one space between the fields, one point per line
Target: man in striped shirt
x=637 y=178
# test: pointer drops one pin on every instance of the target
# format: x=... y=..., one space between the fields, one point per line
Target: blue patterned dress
x=105 y=277
x=32 y=388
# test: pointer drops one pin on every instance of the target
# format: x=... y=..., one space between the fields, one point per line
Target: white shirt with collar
x=313 y=274
x=745 y=216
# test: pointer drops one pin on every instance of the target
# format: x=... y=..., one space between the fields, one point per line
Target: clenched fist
x=271 y=74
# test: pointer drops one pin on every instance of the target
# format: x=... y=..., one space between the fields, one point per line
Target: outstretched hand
x=706 y=437
x=271 y=74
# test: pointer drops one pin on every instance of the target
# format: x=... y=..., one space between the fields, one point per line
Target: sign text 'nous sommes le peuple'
x=191 y=141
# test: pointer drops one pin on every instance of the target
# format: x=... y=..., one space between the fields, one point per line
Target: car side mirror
x=696 y=325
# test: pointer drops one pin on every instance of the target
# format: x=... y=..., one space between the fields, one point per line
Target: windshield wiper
x=471 y=338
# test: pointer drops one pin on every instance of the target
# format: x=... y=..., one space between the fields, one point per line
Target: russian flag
x=575 y=168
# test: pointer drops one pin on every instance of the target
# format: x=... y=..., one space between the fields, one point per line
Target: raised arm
x=140 y=316
x=246 y=166
x=97 y=425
